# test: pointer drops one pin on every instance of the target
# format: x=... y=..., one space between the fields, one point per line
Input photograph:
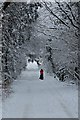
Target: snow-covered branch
x=70 y=19
x=51 y=12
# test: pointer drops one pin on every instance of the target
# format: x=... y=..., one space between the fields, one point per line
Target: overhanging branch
x=67 y=15
x=55 y=15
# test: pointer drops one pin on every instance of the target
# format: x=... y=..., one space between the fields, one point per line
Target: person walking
x=41 y=74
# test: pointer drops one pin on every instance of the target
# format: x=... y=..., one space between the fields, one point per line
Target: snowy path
x=33 y=98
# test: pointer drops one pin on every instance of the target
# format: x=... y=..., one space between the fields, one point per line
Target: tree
x=17 y=25
x=52 y=24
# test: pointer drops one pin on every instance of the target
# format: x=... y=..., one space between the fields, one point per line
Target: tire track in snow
x=58 y=98
x=28 y=106
x=40 y=98
x=62 y=102
x=66 y=109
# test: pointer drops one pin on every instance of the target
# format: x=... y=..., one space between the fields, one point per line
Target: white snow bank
x=32 y=66
x=34 y=98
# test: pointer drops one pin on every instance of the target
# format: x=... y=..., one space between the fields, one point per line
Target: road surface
x=33 y=98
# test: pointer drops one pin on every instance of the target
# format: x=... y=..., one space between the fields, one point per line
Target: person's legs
x=41 y=77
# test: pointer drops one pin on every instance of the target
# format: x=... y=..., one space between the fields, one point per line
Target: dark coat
x=41 y=74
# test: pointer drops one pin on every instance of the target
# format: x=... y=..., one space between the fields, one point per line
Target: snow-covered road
x=33 y=98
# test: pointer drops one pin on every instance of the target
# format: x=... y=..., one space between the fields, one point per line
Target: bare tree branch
x=44 y=33
x=70 y=10
x=55 y=15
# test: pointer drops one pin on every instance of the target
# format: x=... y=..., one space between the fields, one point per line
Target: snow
x=34 y=98
x=0 y=95
x=0 y=104
x=31 y=66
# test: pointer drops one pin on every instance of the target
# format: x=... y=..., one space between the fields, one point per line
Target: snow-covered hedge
x=17 y=23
